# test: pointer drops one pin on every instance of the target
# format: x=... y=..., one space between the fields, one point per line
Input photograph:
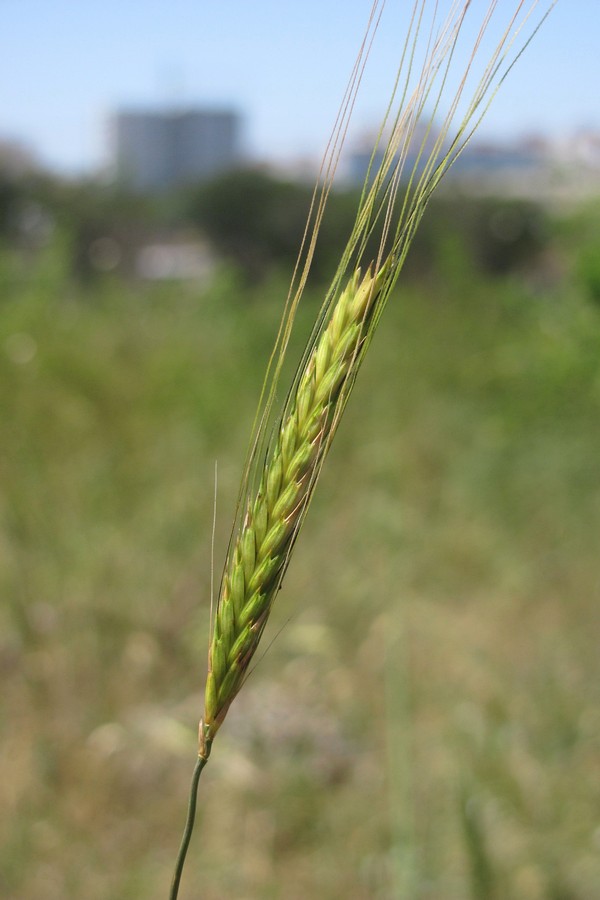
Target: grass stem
x=189 y=827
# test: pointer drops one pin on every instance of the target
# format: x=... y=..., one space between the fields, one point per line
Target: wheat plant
x=439 y=77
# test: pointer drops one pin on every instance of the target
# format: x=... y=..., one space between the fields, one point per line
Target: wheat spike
x=258 y=557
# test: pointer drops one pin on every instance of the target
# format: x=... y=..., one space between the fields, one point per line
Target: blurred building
x=532 y=166
x=362 y=160
x=155 y=151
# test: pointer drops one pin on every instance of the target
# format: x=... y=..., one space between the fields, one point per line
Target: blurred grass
x=426 y=722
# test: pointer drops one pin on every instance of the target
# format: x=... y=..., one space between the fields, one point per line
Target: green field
x=425 y=722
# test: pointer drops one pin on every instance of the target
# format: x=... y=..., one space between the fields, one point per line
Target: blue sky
x=65 y=65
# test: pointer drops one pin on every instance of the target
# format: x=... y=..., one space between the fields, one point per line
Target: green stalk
x=189 y=826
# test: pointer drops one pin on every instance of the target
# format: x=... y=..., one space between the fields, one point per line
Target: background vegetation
x=425 y=723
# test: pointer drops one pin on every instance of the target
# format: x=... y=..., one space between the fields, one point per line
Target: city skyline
x=66 y=70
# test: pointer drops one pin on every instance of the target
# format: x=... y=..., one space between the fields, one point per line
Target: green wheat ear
x=258 y=558
x=286 y=456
